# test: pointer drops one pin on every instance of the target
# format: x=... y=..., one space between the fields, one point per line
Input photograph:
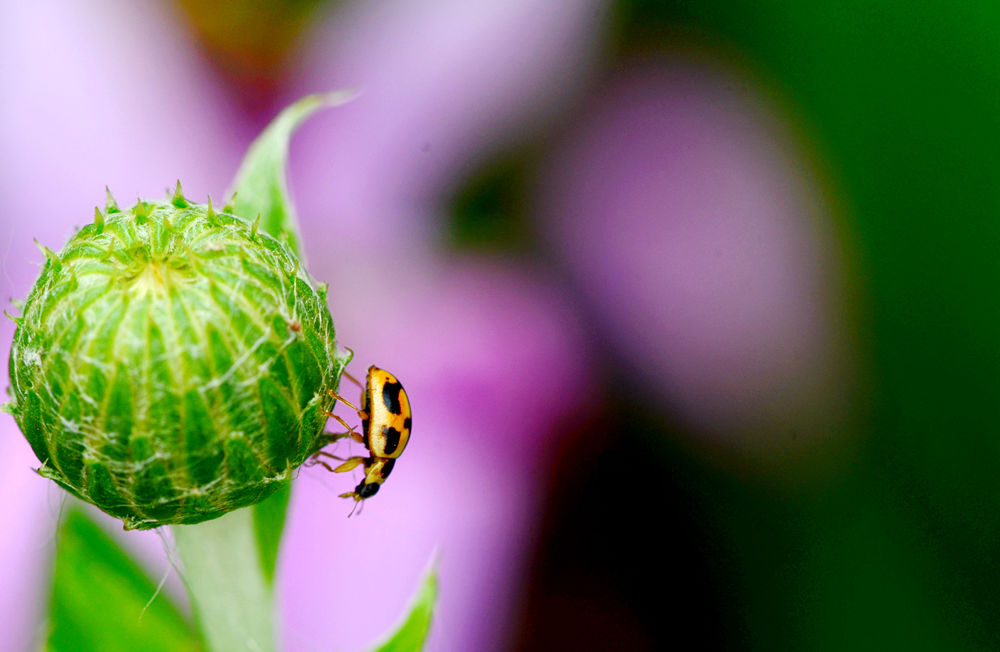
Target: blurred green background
x=899 y=550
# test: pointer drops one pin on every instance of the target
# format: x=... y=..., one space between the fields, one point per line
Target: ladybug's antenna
x=357 y=501
x=352 y=378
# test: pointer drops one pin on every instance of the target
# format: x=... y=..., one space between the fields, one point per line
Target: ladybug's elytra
x=385 y=424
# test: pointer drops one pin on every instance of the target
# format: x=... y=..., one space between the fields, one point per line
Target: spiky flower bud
x=171 y=362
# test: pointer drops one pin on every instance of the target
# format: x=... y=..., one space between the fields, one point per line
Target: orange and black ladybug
x=385 y=423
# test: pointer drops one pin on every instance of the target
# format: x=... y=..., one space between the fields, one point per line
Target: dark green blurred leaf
x=489 y=211
x=412 y=633
x=99 y=598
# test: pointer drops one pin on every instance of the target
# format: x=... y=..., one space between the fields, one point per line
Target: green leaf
x=268 y=523
x=260 y=184
x=100 y=597
x=261 y=190
x=412 y=632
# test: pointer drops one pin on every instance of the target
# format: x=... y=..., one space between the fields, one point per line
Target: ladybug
x=385 y=424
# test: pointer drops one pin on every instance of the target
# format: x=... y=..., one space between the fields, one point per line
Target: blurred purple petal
x=491 y=362
x=94 y=93
x=695 y=227
x=94 y=101
x=28 y=521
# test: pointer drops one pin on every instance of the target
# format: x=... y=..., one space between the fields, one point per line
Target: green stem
x=231 y=597
x=229 y=562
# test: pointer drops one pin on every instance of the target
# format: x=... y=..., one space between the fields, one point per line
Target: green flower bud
x=171 y=363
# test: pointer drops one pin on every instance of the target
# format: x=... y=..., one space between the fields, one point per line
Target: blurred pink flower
x=690 y=220
x=90 y=98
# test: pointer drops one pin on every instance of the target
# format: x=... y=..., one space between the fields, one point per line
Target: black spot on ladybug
x=391 y=439
x=390 y=396
x=387 y=468
x=406 y=424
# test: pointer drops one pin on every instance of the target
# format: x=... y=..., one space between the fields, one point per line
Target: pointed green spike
x=98 y=219
x=10 y=407
x=322 y=289
x=110 y=205
x=228 y=208
x=210 y=214
x=17 y=303
x=178 y=199
x=50 y=255
x=254 y=228
x=142 y=210
x=16 y=320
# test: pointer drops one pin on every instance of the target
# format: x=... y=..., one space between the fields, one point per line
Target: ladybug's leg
x=325 y=454
x=333 y=437
x=349 y=427
x=341 y=399
x=314 y=459
x=350 y=430
x=313 y=462
x=350 y=464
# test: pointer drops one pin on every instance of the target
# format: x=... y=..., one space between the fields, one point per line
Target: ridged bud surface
x=171 y=363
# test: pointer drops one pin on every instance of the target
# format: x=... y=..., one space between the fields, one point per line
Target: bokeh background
x=696 y=302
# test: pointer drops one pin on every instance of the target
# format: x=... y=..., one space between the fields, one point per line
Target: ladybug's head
x=366 y=490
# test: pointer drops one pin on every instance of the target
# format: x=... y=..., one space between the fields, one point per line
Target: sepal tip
x=178 y=199
x=50 y=255
x=210 y=213
x=110 y=205
x=230 y=205
x=142 y=211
